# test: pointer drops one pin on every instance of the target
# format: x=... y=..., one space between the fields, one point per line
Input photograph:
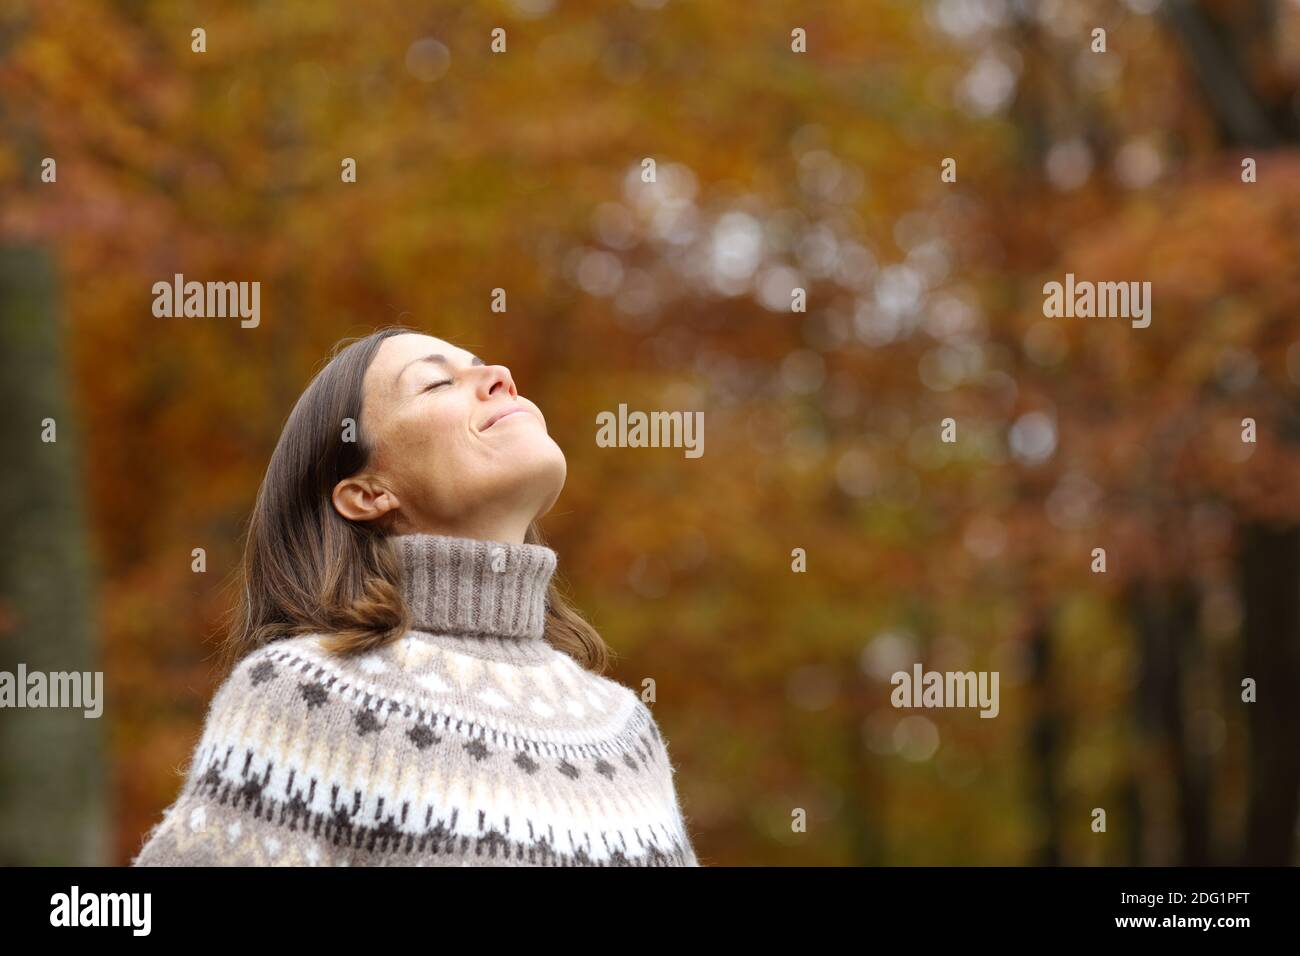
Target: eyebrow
x=435 y=357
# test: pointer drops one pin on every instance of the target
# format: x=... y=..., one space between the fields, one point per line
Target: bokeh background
x=774 y=170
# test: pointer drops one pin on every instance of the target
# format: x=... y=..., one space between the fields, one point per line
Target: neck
x=502 y=523
x=477 y=587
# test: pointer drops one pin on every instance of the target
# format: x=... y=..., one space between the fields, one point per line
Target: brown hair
x=306 y=569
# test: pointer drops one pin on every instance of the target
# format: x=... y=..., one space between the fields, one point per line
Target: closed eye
x=432 y=385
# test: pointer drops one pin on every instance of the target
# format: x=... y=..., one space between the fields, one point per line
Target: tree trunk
x=52 y=777
x=1045 y=739
x=1269 y=569
x=1165 y=615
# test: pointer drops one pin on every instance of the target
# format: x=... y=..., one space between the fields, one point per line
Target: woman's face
x=455 y=448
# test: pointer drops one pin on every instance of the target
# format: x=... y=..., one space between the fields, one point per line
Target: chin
x=539 y=451
x=539 y=466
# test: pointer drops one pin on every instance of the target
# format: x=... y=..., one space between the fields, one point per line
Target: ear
x=359 y=498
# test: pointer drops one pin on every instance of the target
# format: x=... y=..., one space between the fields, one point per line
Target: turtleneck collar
x=479 y=589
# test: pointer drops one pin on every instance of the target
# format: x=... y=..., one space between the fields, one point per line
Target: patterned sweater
x=470 y=741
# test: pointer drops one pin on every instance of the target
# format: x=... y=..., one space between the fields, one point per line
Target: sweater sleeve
x=181 y=838
x=188 y=833
x=688 y=856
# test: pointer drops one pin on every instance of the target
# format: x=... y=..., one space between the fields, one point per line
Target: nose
x=496 y=378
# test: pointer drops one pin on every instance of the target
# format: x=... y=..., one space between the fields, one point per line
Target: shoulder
x=637 y=716
x=256 y=678
x=642 y=714
x=625 y=694
x=253 y=669
x=249 y=707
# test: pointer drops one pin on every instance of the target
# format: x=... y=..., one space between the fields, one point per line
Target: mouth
x=509 y=410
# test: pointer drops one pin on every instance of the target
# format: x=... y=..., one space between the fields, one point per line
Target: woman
x=404 y=685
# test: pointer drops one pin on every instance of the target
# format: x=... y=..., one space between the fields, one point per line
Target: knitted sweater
x=469 y=741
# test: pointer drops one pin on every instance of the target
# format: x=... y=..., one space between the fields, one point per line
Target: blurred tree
x=1233 y=51
x=52 y=774
x=1151 y=417
x=524 y=172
